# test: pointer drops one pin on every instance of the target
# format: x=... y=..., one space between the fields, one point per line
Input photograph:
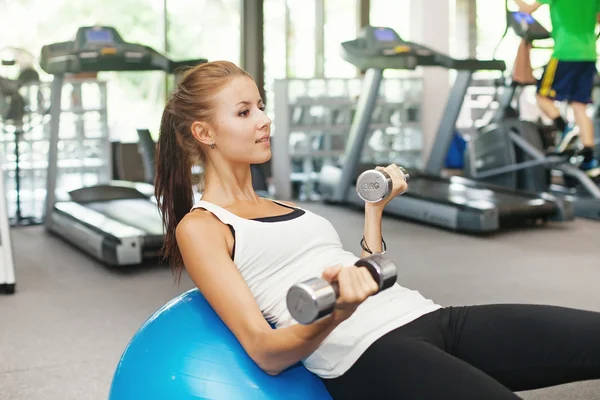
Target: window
x=301 y=39
x=204 y=28
x=491 y=22
x=341 y=20
x=133 y=98
x=290 y=38
x=275 y=40
x=393 y=14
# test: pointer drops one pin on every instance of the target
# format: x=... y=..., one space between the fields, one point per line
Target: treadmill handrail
x=410 y=55
x=105 y=192
x=474 y=64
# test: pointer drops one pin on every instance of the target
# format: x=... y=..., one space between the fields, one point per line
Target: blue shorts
x=570 y=81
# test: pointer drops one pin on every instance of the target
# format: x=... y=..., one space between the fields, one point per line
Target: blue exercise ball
x=184 y=351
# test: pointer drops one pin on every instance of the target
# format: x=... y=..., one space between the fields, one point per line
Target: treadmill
x=453 y=203
x=116 y=222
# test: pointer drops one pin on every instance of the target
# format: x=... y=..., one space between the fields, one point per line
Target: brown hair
x=178 y=151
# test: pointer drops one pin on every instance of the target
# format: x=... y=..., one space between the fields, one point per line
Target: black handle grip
x=315 y=298
x=366 y=263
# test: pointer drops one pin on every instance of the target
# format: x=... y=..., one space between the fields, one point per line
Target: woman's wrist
x=372 y=241
x=373 y=210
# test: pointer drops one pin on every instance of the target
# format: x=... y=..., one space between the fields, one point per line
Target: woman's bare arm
x=207 y=260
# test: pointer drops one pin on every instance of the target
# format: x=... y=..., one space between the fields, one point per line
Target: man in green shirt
x=569 y=75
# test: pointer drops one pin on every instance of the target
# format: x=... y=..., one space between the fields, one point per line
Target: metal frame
x=320 y=38
x=281 y=168
x=566 y=168
x=7 y=266
x=252 y=41
x=358 y=131
x=466 y=28
x=447 y=126
x=586 y=202
x=364 y=13
x=55 y=111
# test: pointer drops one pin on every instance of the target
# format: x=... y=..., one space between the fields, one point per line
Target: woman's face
x=242 y=129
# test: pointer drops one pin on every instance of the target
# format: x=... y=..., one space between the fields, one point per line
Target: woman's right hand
x=355 y=285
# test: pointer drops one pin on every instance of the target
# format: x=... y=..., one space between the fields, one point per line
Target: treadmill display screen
x=521 y=17
x=385 y=35
x=98 y=36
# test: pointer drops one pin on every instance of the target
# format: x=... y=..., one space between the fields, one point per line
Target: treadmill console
x=382 y=47
x=526 y=27
x=375 y=41
x=101 y=48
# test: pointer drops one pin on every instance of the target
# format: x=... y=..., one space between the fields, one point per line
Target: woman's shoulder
x=198 y=220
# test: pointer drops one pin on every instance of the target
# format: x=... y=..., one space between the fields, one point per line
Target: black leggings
x=478 y=352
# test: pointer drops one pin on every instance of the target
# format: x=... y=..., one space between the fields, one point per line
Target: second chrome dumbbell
x=375 y=185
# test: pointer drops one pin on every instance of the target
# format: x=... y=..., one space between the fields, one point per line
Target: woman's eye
x=244 y=113
x=262 y=108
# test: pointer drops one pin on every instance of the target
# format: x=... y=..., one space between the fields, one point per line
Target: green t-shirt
x=573 y=26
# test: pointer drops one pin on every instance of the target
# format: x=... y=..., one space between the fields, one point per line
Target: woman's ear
x=201 y=132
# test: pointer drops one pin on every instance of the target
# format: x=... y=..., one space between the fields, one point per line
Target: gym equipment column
x=7 y=267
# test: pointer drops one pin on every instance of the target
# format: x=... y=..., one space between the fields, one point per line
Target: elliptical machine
x=511 y=152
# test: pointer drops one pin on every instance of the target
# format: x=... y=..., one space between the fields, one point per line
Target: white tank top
x=274 y=253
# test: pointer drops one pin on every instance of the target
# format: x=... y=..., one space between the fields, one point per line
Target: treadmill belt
x=138 y=213
x=470 y=196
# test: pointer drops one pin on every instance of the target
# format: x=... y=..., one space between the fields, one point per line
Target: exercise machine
x=115 y=222
x=455 y=203
x=15 y=121
x=147 y=150
x=510 y=151
x=7 y=266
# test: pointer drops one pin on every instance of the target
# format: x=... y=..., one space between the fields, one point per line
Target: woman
x=244 y=252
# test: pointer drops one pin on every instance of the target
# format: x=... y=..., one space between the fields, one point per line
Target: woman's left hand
x=399 y=185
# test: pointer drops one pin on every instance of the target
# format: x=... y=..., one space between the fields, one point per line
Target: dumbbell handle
x=374 y=271
x=315 y=298
x=405 y=174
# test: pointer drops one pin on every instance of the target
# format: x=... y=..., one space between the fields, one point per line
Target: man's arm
x=526 y=7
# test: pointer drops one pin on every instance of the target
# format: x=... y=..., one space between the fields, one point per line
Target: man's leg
x=550 y=110
x=584 y=122
x=527 y=347
x=580 y=98
x=555 y=86
x=549 y=89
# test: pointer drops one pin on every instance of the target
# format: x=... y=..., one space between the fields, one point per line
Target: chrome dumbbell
x=315 y=298
x=374 y=185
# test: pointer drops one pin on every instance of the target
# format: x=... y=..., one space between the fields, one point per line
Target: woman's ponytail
x=177 y=150
x=172 y=186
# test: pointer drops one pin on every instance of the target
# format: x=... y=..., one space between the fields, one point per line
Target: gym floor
x=62 y=333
